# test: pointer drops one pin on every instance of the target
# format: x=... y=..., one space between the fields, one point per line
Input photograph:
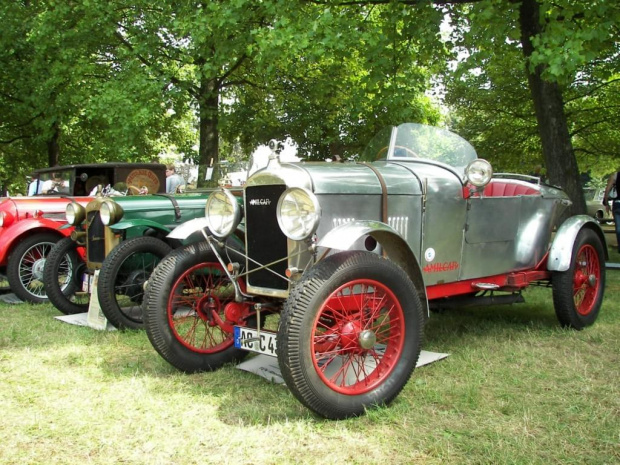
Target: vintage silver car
x=352 y=256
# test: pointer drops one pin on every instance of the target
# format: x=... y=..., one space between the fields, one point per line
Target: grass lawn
x=517 y=388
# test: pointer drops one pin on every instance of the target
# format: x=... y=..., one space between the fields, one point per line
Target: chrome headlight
x=75 y=213
x=110 y=212
x=222 y=212
x=299 y=213
x=479 y=172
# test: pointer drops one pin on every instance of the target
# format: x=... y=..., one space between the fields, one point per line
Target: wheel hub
x=133 y=285
x=367 y=339
x=592 y=280
x=354 y=339
x=348 y=335
x=37 y=268
x=206 y=306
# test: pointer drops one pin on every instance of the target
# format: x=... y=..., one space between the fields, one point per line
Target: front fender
x=395 y=247
x=143 y=223
x=11 y=235
x=184 y=230
x=561 y=251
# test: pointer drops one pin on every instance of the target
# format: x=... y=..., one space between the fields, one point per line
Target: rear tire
x=63 y=278
x=578 y=291
x=121 y=280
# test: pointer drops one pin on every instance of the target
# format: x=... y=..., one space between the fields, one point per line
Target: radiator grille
x=264 y=240
x=96 y=238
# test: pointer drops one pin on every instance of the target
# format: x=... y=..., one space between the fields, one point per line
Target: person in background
x=611 y=194
x=34 y=186
x=55 y=185
x=173 y=180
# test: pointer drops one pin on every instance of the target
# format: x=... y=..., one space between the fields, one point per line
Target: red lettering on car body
x=440 y=267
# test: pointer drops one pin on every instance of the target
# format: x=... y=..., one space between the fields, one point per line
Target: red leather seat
x=509 y=188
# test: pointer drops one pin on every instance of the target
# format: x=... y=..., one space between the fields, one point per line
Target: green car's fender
x=140 y=223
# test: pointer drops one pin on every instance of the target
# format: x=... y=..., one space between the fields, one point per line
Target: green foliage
x=488 y=89
x=95 y=81
x=335 y=76
x=576 y=34
x=62 y=77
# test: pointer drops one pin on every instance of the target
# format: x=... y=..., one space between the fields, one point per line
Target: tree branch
x=145 y=61
x=10 y=141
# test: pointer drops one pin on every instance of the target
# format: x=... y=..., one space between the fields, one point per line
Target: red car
x=29 y=226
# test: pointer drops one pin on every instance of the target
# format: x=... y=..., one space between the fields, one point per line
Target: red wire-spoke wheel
x=358 y=334
x=578 y=291
x=587 y=277
x=189 y=311
x=196 y=308
x=350 y=334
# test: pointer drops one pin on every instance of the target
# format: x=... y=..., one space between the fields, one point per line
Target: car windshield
x=417 y=141
x=57 y=182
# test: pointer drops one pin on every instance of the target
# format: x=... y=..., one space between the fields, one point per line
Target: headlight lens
x=479 y=172
x=298 y=213
x=75 y=213
x=222 y=212
x=110 y=212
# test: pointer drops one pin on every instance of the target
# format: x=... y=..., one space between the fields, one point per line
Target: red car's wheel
x=350 y=334
x=26 y=264
x=578 y=291
x=189 y=311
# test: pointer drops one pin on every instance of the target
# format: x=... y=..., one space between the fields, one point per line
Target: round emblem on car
x=429 y=255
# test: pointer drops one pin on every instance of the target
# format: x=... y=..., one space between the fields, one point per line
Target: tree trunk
x=560 y=161
x=208 y=150
x=53 y=147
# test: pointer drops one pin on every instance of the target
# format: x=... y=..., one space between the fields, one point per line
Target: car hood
x=348 y=178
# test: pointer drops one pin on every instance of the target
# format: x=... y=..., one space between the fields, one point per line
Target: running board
x=468 y=301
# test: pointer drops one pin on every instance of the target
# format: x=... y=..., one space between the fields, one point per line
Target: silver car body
x=437 y=227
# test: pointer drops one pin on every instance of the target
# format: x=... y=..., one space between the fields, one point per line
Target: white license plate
x=250 y=339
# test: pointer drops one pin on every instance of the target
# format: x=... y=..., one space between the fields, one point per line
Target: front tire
x=63 y=278
x=350 y=334
x=578 y=291
x=121 y=279
x=26 y=264
x=189 y=311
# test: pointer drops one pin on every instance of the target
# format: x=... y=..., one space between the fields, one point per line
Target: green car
x=122 y=237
